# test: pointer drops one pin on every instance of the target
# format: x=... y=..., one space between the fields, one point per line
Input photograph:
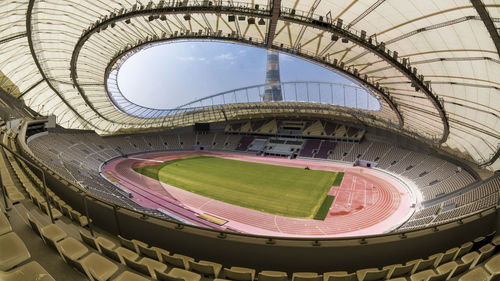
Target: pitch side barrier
x=277 y=253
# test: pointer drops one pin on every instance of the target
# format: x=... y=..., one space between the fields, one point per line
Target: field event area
x=257 y=186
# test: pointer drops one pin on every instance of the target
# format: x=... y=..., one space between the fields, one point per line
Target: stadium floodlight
x=187 y=17
x=251 y=20
x=231 y=18
x=335 y=37
x=262 y=22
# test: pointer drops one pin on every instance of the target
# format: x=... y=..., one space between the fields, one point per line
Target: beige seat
x=239 y=273
x=398 y=270
x=150 y=252
x=96 y=242
x=118 y=253
x=454 y=268
x=479 y=256
x=485 y=252
x=56 y=214
x=371 y=274
x=493 y=266
x=306 y=276
x=429 y=274
x=137 y=266
x=477 y=274
x=176 y=260
x=464 y=249
x=146 y=266
x=51 y=234
x=12 y=251
x=445 y=257
x=205 y=268
x=340 y=276
x=4 y=224
x=397 y=279
x=129 y=276
x=131 y=244
x=178 y=274
x=79 y=218
x=31 y=271
x=422 y=264
x=270 y=275
x=94 y=266
x=72 y=248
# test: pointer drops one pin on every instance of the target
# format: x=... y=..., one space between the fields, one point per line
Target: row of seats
x=14 y=256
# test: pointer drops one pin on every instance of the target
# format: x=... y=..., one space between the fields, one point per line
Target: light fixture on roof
x=262 y=22
x=251 y=20
x=335 y=37
x=241 y=18
x=163 y=17
x=187 y=17
x=344 y=40
x=127 y=21
x=231 y=18
x=151 y=18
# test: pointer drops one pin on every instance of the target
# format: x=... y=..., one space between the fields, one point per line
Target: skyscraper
x=272 y=92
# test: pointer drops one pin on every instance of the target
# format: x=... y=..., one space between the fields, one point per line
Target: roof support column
x=273 y=22
x=485 y=17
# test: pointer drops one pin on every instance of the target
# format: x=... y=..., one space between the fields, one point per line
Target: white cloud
x=226 y=56
x=191 y=58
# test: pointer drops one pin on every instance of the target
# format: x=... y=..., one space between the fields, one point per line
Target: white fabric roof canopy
x=52 y=52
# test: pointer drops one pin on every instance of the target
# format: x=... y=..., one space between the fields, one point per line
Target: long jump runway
x=366 y=203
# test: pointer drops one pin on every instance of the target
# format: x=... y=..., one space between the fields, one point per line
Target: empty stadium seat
x=72 y=248
x=94 y=266
x=129 y=276
x=96 y=242
x=205 y=268
x=476 y=274
x=429 y=275
x=176 y=260
x=13 y=251
x=270 y=275
x=131 y=244
x=398 y=270
x=119 y=253
x=340 y=276
x=306 y=276
x=4 y=224
x=239 y=273
x=421 y=264
x=371 y=274
x=178 y=274
x=137 y=266
x=31 y=271
x=493 y=266
x=444 y=257
x=453 y=268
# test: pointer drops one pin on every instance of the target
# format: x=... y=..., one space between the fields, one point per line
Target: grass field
x=286 y=191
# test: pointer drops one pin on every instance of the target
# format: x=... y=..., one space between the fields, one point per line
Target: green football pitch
x=286 y=191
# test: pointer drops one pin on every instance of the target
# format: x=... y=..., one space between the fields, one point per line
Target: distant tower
x=273 y=92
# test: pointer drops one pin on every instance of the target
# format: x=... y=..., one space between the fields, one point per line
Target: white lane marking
x=152 y=160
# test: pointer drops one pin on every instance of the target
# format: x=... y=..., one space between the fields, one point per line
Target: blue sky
x=168 y=75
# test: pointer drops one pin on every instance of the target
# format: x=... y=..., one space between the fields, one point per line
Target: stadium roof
x=434 y=64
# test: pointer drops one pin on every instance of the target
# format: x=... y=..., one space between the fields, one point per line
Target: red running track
x=367 y=202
